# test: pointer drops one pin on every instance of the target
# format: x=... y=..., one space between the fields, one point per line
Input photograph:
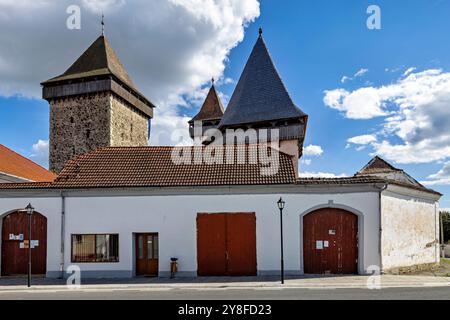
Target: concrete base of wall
x=106 y=274
x=412 y=269
x=265 y=273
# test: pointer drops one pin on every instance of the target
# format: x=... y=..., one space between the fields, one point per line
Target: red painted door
x=330 y=242
x=226 y=244
x=241 y=244
x=15 y=232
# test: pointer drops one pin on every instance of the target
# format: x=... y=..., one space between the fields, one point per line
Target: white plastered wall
x=410 y=229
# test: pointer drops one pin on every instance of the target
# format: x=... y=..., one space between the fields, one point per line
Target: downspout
x=63 y=231
x=440 y=234
x=381 y=226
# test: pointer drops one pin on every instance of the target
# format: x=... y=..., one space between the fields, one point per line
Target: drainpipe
x=63 y=231
x=385 y=186
x=440 y=237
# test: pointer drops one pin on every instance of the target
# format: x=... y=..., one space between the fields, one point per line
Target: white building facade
x=397 y=230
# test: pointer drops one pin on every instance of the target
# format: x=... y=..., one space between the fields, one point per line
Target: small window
x=88 y=133
x=95 y=248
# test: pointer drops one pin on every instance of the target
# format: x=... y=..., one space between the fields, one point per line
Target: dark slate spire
x=98 y=60
x=212 y=108
x=260 y=95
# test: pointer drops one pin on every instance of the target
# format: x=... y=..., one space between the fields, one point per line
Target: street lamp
x=281 y=204
x=30 y=211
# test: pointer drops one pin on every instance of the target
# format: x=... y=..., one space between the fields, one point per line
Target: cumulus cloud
x=321 y=175
x=171 y=48
x=312 y=151
x=364 y=139
x=442 y=177
x=415 y=110
x=39 y=153
x=361 y=142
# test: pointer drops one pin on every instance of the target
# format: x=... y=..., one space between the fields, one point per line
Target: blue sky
x=314 y=44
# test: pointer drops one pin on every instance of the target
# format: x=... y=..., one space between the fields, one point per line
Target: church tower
x=259 y=101
x=95 y=104
x=209 y=115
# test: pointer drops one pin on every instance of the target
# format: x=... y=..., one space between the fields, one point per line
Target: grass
x=445 y=261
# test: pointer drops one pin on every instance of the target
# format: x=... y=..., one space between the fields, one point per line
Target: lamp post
x=281 y=204
x=30 y=211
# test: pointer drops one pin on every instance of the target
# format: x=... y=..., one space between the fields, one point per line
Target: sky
x=367 y=91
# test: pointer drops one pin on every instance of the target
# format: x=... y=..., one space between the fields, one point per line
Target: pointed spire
x=98 y=60
x=260 y=95
x=103 y=24
x=212 y=108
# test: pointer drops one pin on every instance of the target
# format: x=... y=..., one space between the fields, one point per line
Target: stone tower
x=95 y=104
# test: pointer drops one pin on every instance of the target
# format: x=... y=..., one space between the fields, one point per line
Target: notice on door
x=319 y=245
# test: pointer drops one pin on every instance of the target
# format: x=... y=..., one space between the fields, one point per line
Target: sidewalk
x=332 y=282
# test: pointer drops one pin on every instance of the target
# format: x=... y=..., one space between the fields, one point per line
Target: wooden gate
x=15 y=244
x=330 y=242
x=226 y=244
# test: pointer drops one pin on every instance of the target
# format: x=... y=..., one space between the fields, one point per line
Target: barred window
x=95 y=248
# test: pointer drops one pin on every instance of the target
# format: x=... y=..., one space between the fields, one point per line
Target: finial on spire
x=103 y=24
x=260 y=32
x=213 y=80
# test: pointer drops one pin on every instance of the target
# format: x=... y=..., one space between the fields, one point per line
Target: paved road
x=438 y=293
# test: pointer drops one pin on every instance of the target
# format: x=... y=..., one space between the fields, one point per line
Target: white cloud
x=102 y=6
x=171 y=48
x=416 y=113
x=306 y=162
x=39 y=153
x=364 y=103
x=442 y=177
x=362 y=140
x=409 y=71
x=312 y=151
x=444 y=209
x=320 y=175
x=361 y=72
x=345 y=79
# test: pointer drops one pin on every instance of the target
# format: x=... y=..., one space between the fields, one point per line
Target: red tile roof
x=128 y=167
x=154 y=167
x=14 y=164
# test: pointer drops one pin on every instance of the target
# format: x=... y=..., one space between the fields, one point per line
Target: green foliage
x=446 y=224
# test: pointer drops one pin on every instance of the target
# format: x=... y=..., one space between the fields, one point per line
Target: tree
x=445 y=216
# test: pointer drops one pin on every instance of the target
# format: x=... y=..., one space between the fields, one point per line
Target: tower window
x=88 y=133
x=72 y=120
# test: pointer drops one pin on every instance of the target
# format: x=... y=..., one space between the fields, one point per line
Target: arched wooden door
x=15 y=244
x=330 y=242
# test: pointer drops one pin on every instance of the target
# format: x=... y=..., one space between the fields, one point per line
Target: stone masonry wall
x=84 y=123
x=77 y=125
x=128 y=127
